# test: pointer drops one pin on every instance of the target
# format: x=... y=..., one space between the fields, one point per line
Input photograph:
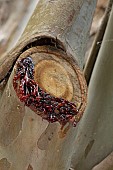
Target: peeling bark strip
x=54 y=40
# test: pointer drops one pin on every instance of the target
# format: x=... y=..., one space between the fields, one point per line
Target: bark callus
x=47 y=80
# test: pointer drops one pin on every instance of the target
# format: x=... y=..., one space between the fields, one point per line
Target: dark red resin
x=48 y=107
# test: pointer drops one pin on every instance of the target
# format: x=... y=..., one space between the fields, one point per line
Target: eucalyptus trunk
x=55 y=38
x=94 y=140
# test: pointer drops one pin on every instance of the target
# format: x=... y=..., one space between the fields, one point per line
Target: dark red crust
x=48 y=107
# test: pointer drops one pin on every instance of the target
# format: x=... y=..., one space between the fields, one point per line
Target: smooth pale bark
x=58 y=31
x=94 y=139
x=106 y=164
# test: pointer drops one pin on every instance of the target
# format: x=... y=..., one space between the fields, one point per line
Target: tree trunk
x=95 y=133
x=55 y=38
